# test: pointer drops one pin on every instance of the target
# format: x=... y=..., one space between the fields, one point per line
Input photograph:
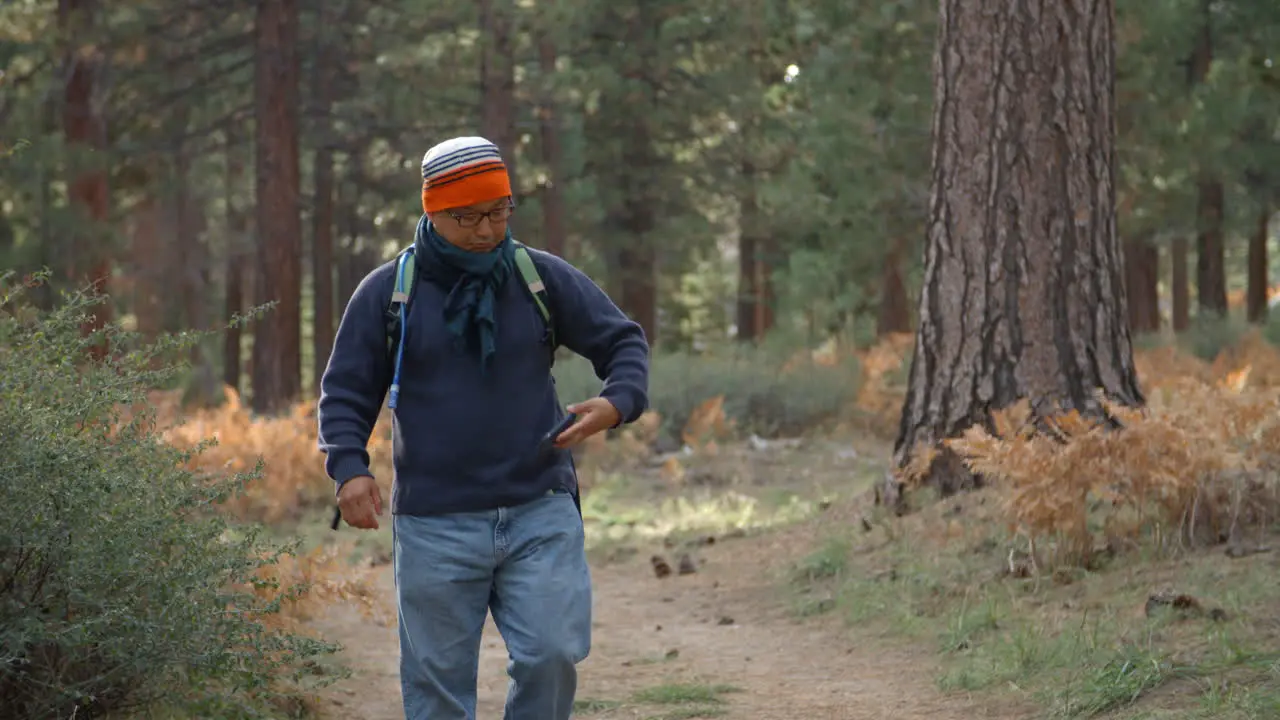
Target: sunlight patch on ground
x=611 y=518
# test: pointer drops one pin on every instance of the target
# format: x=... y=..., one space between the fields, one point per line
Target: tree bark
x=1023 y=293
x=1259 y=265
x=277 y=357
x=86 y=135
x=1142 y=281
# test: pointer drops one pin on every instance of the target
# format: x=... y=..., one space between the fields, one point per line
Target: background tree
x=757 y=171
x=277 y=355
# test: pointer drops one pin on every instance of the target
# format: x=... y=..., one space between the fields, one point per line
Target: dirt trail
x=727 y=624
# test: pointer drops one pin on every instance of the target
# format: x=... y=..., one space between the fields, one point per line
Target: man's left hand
x=594 y=415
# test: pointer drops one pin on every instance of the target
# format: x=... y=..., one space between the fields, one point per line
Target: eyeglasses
x=472 y=219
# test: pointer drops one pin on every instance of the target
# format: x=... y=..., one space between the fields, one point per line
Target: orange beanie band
x=463 y=171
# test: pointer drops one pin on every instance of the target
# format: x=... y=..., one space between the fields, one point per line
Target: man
x=481 y=520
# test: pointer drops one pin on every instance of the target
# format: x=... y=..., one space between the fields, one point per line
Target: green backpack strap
x=537 y=288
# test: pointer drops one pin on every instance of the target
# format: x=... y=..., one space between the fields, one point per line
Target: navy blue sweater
x=463 y=441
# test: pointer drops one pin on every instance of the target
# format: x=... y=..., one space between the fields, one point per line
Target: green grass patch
x=683 y=694
x=1077 y=644
x=588 y=706
x=689 y=713
x=681 y=701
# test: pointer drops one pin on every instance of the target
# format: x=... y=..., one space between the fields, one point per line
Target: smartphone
x=548 y=444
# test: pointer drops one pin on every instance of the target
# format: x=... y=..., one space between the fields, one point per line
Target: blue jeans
x=528 y=565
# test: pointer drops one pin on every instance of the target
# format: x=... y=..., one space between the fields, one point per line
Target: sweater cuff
x=348 y=467
x=622 y=402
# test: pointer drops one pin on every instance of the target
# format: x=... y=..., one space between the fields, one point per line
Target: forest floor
x=722 y=641
x=806 y=603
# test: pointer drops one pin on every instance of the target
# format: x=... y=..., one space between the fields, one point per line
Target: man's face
x=476 y=228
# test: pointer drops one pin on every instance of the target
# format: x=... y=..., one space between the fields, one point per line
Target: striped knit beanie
x=461 y=172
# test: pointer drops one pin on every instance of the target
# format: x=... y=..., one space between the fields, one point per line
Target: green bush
x=121 y=587
x=1208 y=335
x=1271 y=330
x=759 y=396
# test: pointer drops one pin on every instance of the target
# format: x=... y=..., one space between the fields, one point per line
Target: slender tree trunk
x=233 y=306
x=766 y=309
x=192 y=268
x=498 y=81
x=553 y=212
x=149 y=267
x=236 y=262
x=277 y=357
x=1211 y=266
x=349 y=275
x=638 y=256
x=322 y=264
x=895 y=306
x=750 y=247
x=48 y=250
x=1259 y=266
x=756 y=296
x=638 y=264
x=1181 y=291
x=86 y=135
x=323 y=79
x=1023 y=293
x=1142 y=280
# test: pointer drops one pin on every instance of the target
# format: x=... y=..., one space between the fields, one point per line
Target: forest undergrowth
x=1196 y=467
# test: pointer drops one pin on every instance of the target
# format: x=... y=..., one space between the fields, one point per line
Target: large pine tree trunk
x=277 y=357
x=1023 y=293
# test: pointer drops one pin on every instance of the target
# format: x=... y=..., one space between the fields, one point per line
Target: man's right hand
x=360 y=501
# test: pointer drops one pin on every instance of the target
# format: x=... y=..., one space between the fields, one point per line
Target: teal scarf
x=472 y=280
